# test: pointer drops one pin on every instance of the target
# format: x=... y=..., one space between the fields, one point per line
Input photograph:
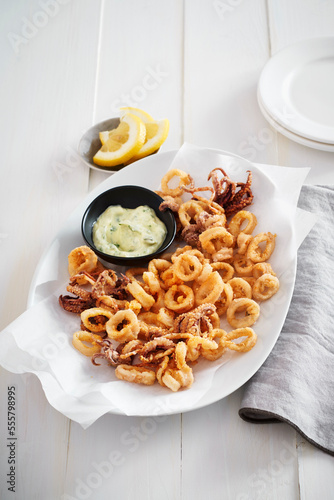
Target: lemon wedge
x=145 y=117
x=122 y=143
x=156 y=134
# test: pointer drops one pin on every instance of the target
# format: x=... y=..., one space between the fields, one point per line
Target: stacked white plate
x=296 y=92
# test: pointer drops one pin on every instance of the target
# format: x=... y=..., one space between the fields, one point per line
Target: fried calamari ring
x=110 y=303
x=169 y=278
x=197 y=346
x=81 y=259
x=243 y=265
x=138 y=292
x=224 y=300
x=176 y=374
x=212 y=354
x=240 y=288
x=262 y=268
x=215 y=238
x=187 y=267
x=88 y=350
x=150 y=318
x=96 y=318
x=244 y=305
x=244 y=346
x=157 y=266
x=254 y=251
x=237 y=221
x=189 y=211
x=179 y=298
x=135 y=374
x=205 y=273
x=152 y=282
x=210 y=290
x=225 y=270
x=166 y=317
x=243 y=240
x=184 y=180
x=123 y=326
x=265 y=287
x=224 y=254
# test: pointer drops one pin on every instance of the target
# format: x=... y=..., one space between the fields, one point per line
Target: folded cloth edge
x=257 y=416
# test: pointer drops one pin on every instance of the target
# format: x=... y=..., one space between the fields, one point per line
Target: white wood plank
x=291 y=22
x=140 y=64
x=226 y=47
x=316 y=471
x=131 y=456
x=45 y=93
x=235 y=459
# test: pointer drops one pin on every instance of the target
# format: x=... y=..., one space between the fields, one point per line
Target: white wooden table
x=67 y=64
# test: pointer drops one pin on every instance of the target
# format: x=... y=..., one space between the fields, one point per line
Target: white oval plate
x=51 y=274
x=296 y=89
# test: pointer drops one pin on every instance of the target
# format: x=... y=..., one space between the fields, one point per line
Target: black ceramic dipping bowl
x=127 y=197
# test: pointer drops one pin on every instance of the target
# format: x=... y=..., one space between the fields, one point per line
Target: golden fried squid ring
x=243 y=240
x=166 y=317
x=224 y=300
x=265 y=287
x=262 y=268
x=80 y=341
x=212 y=354
x=237 y=307
x=96 y=318
x=187 y=267
x=223 y=254
x=244 y=346
x=189 y=211
x=179 y=298
x=237 y=221
x=123 y=326
x=240 y=288
x=215 y=238
x=138 y=292
x=110 y=303
x=169 y=278
x=176 y=374
x=152 y=282
x=205 y=273
x=184 y=180
x=81 y=259
x=210 y=290
x=225 y=270
x=135 y=374
x=197 y=346
x=243 y=265
x=254 y=251
x=157 y=266
x=190 y=251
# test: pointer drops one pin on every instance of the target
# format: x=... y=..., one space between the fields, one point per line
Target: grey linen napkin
x=296 y=383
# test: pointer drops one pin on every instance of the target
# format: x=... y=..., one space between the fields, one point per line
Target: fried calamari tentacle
x=75 y=304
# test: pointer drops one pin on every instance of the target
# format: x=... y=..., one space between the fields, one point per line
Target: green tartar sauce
x=127 y=232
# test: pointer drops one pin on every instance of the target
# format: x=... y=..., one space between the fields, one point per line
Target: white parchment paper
x=40 y=340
